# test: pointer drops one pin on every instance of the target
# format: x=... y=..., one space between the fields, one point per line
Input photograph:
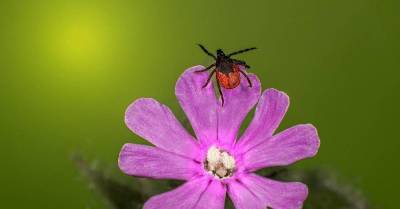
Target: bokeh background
x=68 y=70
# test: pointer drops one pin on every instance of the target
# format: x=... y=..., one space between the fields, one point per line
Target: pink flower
x=215 y=163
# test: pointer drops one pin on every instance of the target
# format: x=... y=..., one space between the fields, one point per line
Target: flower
x=216 y=163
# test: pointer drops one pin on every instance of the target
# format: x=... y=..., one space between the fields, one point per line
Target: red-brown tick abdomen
x=229 y=81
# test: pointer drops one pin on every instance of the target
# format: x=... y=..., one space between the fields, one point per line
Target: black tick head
x=220 y=53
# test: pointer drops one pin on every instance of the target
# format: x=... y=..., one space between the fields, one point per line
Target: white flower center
x=219 y=163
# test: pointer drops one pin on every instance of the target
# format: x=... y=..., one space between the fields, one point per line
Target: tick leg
x=241 y=51
x=240 y=62
x=206 y=51
x=247 y=77
x=205 y=69
x=220 y=93
x=209 y=78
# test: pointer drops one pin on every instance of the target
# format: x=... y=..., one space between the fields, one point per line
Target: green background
x=68 y=70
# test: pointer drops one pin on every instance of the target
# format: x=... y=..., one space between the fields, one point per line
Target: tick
x=227 y=70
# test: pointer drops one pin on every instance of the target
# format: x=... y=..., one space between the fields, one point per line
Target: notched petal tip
x=134 y=106
x=121 y=158
x=271 y=108
x=278 y=96
x=276 y=92
x=302 y=194
x=187 y=72
x=256 y=84
x=289 y=146
x=314 y=140
x=156 y=123
x=303 y=191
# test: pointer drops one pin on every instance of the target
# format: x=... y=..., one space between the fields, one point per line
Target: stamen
x=219 y=163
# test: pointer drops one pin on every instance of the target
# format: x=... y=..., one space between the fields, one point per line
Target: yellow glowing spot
x=81 y=39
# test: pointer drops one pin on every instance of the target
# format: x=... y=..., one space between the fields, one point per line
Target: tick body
x=227 y=70
x=229 y=80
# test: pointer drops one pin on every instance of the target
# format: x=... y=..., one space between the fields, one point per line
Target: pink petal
x=156 y=123
x=238 y=102
x=199 y=104
x=285 y=148
x=269 y=113
x=201 y=193
x=213 y=197
x=147 y=161
x=274 y=194
x=242 y=197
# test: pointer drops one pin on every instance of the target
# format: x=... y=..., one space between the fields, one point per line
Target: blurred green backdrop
x=69 y=69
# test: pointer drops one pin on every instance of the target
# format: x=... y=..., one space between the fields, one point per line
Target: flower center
x=219 y=163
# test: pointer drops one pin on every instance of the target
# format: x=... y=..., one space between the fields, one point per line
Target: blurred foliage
x=121 y=192
x=325 y=191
